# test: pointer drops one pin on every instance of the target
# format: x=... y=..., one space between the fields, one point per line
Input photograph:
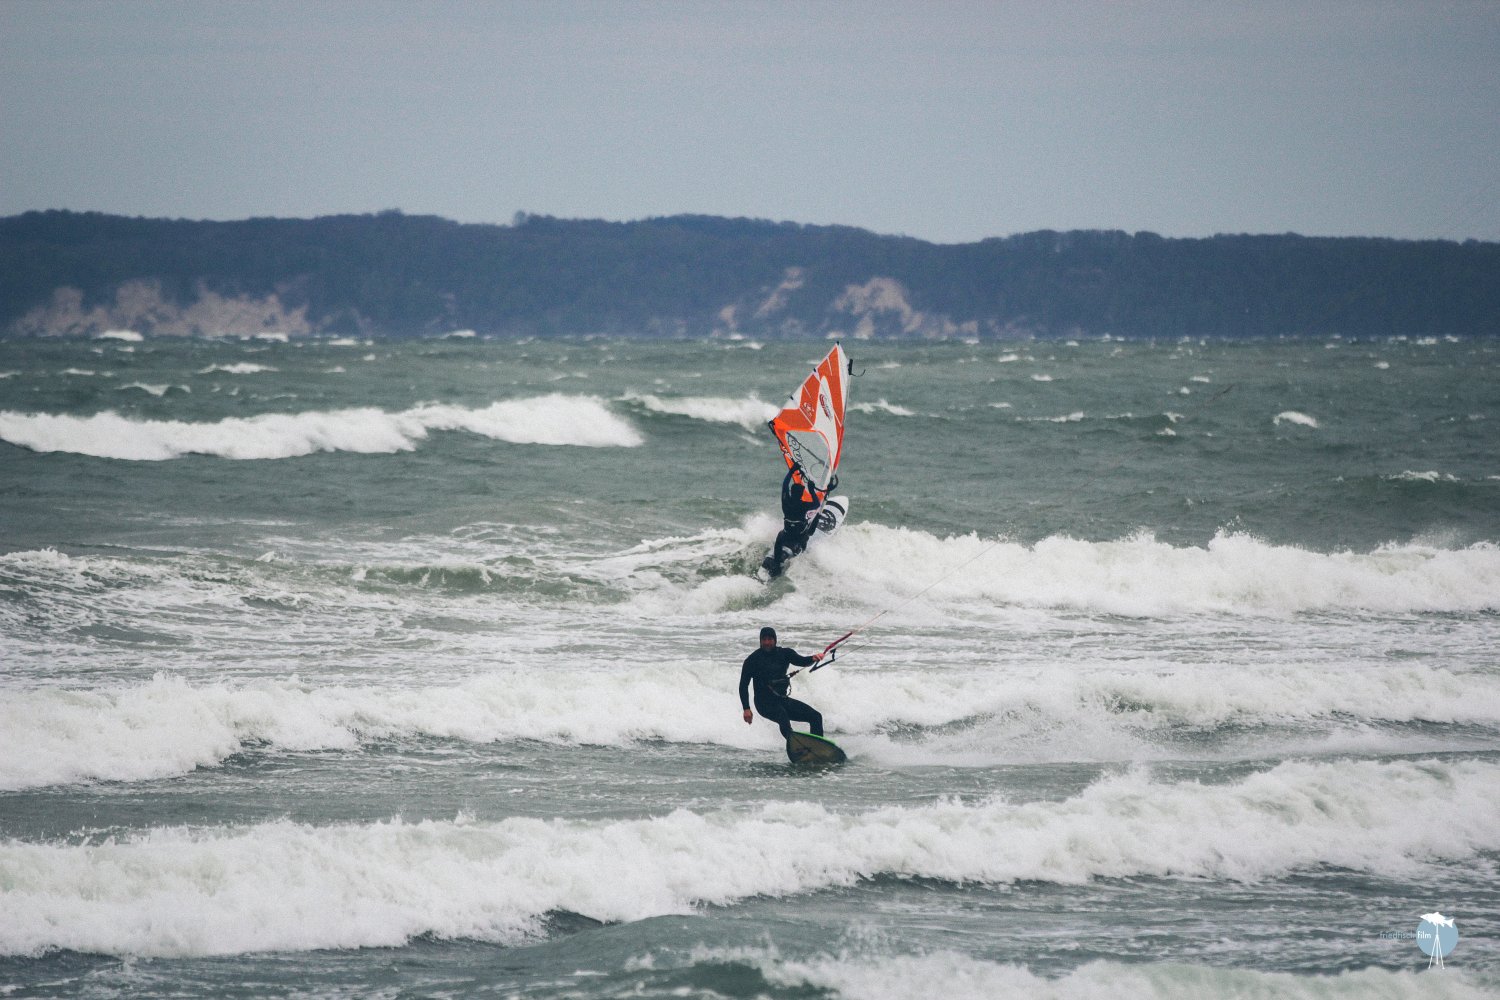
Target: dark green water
x=371 y=669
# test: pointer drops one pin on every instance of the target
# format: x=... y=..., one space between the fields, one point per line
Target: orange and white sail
x=810 y=427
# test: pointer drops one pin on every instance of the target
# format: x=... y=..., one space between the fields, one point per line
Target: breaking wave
x=956 y=976
x=237 y=368
x=749 y=412
x=979 y=716
x=1141 y=576
x=294 y=887
x=551 y=420
x=155 y=389
x=1429 y=476
x=882 y=405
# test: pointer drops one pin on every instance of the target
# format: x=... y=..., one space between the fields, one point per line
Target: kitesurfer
x=801 y=503
x=766 y=667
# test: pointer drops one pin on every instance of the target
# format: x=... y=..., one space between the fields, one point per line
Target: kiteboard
x=807 y=750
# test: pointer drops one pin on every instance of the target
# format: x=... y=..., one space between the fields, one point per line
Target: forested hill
x=397 y=275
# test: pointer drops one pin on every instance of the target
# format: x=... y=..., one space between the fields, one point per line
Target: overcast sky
x=945 y=121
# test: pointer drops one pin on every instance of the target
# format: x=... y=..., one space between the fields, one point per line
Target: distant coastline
x=394 y=275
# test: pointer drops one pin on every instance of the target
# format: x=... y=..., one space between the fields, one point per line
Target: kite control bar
x=831 y=651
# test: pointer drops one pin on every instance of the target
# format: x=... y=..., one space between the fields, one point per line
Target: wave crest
x=1141 y=576
x=956 y=976
x=981 y=716
x=295 y=887
x=749 y=412
x=549 y=420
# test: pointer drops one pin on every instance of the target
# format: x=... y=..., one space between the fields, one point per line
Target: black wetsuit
x=767 y=669
x=799 y=521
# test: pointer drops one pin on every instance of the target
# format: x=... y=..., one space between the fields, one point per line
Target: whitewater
x=342 y=667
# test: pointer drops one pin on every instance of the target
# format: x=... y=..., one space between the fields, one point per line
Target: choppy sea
x=350 y=668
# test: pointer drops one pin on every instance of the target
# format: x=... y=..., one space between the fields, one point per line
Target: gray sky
x=946 y=121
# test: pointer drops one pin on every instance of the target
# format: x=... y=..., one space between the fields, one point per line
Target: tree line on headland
x=391 y=274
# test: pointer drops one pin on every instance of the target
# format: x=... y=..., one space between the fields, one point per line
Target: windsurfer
x=801 y=503
x=766 y=668
x=809 y=430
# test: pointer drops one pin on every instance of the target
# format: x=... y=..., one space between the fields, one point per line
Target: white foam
x=555 y=419
x=128 y=336
x=289 y=886
x=168 y=726
x=1082 y=710
x=550 y=420
x=1293 y=417
x=749 y=412
x=110 y=435
x=956 y=976
x=238 y=368
x=882 y=406
x=153 y=389
x=1430 y=476
x=1142 y=576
